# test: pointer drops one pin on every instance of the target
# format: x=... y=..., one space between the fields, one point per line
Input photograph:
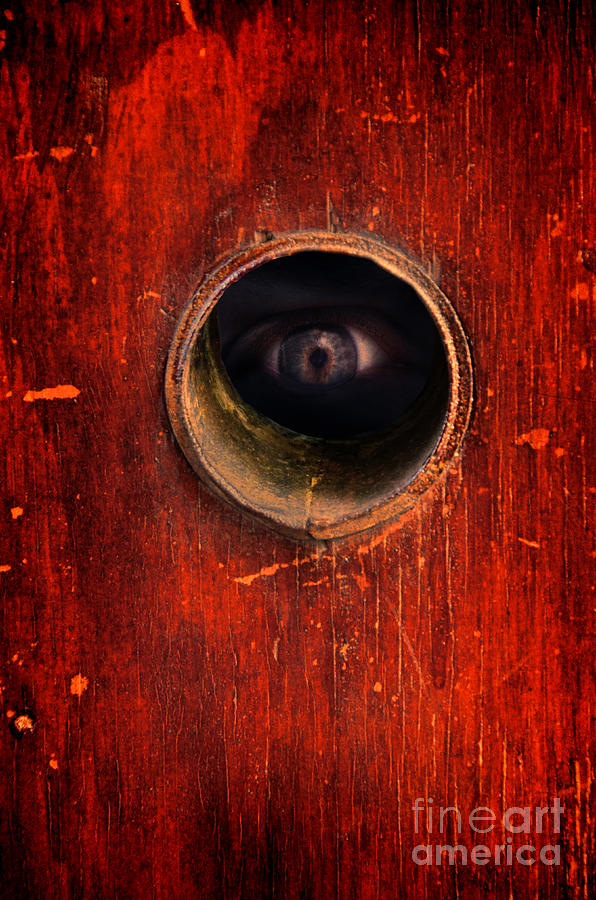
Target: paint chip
x=343 y=650
x=559 y=228
x=22 y=723
x=94 y=149
x=537 y=438
x=31 y=154
x=61 y=153
x=16 y=511
x=377 y=687
x=581 y=291
x=5 y=568
x=78 y=684
x=60 y=392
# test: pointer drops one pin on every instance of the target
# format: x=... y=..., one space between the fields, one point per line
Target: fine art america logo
x=517 y=820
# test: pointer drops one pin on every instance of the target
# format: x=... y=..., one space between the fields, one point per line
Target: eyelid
x=377 y=339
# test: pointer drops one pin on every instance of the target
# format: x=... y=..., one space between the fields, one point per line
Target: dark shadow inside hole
x=330 y=345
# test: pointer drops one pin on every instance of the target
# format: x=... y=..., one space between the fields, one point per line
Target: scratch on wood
x=268 y=571
x=187 y=12
x=529 y=543
x=265 y=572
x=408 y=643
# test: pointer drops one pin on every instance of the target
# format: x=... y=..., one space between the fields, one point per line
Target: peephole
x=320 y=381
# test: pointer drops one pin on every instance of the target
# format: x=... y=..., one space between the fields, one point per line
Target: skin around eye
x=327 y=373
x=371 y=355
x=375 y=340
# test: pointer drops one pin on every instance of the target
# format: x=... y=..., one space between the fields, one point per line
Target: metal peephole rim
x=303 y=480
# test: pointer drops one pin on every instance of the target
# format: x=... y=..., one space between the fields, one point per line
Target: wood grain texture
x=222 y=713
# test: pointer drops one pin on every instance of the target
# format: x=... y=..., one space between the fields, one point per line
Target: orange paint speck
x=16 y=511
x=581 y=291
x=60 y=392
x=5 y=568
x=537 y=438
x=61 y=153
x=78 y=685
x=31 y=154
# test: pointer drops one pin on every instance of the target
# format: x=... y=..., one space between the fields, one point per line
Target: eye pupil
x=318 y=358
x=321 y=356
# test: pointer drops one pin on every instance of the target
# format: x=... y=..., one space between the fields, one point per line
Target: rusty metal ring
x=309 y=487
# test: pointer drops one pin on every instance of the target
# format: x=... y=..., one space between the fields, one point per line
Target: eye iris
x=325 y=355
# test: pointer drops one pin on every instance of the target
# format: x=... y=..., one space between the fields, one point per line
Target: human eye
x=330 y=360
x=311 y=350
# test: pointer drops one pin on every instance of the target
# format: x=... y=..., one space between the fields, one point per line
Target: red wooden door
x=193 y=705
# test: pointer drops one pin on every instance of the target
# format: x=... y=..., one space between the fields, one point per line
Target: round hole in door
x=320 y=381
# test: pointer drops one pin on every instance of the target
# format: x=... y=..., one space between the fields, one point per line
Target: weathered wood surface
x=222 y=712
